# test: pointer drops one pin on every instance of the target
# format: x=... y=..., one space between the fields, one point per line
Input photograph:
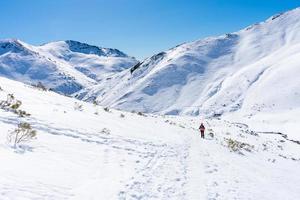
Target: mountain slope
x=64 y=66
x=215 y=75
x=89 y=153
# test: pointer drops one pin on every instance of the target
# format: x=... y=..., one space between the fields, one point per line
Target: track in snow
x=163 y=177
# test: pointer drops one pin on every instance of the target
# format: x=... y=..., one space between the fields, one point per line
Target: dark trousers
x=202 y=134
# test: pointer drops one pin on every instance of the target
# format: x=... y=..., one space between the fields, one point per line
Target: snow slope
x=89 y=153
x=253 y=70
x=64 y=66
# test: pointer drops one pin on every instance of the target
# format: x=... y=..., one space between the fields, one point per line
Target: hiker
x=202 y=129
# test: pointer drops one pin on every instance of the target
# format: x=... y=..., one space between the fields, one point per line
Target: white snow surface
x=93 y=154
x=248 y=80
x=64 y=66
x=253 y=70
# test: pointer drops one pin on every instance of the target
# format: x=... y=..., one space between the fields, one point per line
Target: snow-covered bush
x=78 y=106
x=16 y=105
x=210 y=133
x=141 y=114
x=105 y=131
x=10 y=100
x=11 y=104
x=23 y=133
x=106 y=109
x=21 y=113
x=40 y=86
x=237 y=146
x=95 y=103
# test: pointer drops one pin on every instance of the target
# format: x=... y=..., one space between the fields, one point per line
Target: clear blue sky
x=138 y=27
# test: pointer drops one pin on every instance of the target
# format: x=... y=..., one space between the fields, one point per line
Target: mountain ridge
x=190 y=78
x=64 y=66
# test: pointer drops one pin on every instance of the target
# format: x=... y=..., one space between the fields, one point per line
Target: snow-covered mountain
x=64 y=66
x=255 y=69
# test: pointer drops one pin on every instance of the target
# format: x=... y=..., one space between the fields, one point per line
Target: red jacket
x=202 y=127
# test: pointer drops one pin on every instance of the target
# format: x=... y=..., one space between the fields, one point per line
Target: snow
x=243 y=86
x=215 y=75
x=141 y=157
x=64 y=66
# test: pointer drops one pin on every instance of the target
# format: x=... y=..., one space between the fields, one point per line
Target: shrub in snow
x=122 y=115
x=78 y=106
x=23 y=133
x=237 y=146
x=141 y=114
x=10 y=100
x=106 y=109
x=211 y=134
x=11 y=104
x=15 y=105
x=96 y=103
x=21 y=113
x=40 y=86
x=105 y=131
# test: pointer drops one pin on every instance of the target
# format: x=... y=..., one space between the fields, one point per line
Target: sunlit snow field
x=94 y=154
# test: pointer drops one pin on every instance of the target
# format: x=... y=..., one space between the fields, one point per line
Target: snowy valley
x=106 y=126
x=87 y=152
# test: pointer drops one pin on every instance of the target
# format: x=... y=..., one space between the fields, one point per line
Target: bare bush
x=21 y=113
x=105 y=131
x=78 y=106
x=10 y=100
x=40 y=86
x=95 y=103
x=11 y=104
x=23 y=133
x=141 y=114
x=237 y=146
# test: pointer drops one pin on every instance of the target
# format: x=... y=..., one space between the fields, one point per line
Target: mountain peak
x=12 y=45
x=85 y=48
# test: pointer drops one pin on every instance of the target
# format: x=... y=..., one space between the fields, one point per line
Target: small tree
x=23 y=133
